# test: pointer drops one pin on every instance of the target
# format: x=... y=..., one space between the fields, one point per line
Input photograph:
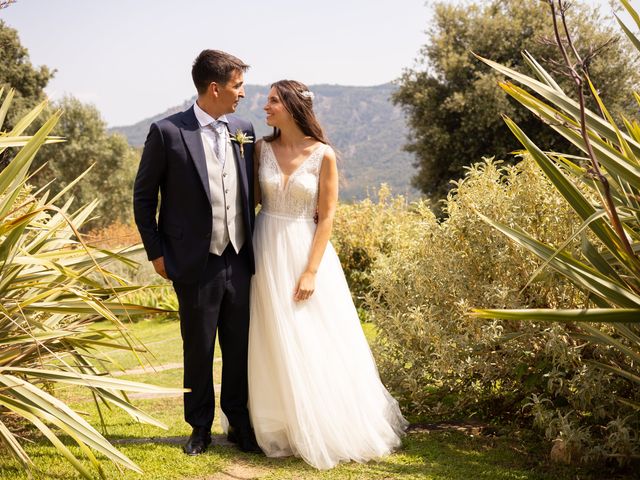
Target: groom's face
x=229 y=94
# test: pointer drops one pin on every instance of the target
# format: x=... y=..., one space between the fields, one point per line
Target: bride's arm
x=257 y=195
x=327 y=202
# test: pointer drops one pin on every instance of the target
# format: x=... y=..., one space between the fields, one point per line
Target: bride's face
x=275 y=110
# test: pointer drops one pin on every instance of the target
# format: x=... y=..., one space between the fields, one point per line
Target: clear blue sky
x=132 y=59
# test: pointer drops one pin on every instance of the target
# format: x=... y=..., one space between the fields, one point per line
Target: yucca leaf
x=49 y=408
x=631 y=11
x=13 y=175
x=25 y=121
x=610 y=158
x=85 y=343
x=616 y=370
x=594 y=315
x=622 y=143
x=571 y=193
x=632 y=127
x=596 y=215
x=133 y=412
x=12 y=443
x=95 y=381
x=628 y=32
x=540 y=72
x=594 y=257
x=629 y=403
x=579 y=273
x=8 y=244
x=71 y=184
x=629 y=203
x=634 y=15
x=35 y=337
x=90 y=306
x=625 y=331
x=21 y=141
x=24 y=411
x=608 y=340
x=563 y=102
x=4 y=109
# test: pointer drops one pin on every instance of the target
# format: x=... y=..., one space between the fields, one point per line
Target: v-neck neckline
x=284 y=183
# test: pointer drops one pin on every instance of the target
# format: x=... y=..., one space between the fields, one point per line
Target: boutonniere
x=241 y=138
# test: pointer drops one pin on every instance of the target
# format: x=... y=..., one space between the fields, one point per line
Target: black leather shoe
x=198 y=441
x=244 y=438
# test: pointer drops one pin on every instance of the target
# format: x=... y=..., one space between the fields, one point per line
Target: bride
x=314 y=390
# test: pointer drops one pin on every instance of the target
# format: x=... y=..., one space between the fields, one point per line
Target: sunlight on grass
x=424 y=455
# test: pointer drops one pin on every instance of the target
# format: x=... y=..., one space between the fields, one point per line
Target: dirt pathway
x=237 y=471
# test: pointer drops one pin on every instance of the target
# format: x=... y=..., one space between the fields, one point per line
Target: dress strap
x=318 y=155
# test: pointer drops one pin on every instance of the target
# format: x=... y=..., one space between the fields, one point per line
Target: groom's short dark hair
x=214 y=66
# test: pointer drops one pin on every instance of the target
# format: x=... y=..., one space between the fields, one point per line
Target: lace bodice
x=298 y=197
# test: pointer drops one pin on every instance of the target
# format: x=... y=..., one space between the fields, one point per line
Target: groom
x=202 y=239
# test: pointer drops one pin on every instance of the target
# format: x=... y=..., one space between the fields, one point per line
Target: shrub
x=426 y=275
x=361 y=233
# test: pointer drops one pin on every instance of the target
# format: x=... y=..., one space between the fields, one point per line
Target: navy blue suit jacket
x=173 y=165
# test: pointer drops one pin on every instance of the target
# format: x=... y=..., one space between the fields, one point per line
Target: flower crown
x=307 y=94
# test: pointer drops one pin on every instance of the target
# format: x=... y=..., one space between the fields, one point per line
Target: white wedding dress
x=314 y=390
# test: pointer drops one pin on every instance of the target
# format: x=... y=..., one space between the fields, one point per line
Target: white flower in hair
x=307 y=94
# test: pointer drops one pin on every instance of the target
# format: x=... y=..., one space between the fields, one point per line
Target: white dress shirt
x=207 y=133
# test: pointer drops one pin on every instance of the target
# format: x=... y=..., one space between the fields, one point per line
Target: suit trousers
x=218 y=302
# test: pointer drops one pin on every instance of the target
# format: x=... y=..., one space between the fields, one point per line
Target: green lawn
x=424 y=454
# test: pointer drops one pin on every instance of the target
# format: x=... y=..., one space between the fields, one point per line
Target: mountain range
x=362 y=124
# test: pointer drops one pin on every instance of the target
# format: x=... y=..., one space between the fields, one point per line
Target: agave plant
x=53 y=290
x=603 y=187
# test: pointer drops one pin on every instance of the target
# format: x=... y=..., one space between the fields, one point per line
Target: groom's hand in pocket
x=158 y=265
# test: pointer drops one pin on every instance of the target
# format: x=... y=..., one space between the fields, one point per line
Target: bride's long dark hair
x=298 y=101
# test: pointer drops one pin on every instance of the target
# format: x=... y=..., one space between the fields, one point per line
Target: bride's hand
x=305 y=287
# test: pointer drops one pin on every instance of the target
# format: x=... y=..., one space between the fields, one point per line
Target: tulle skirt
x=314 y=390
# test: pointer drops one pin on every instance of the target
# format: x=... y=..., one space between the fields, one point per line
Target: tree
x=88 y=143
x=87 y=139
x=16 y=71
x=452 y=100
